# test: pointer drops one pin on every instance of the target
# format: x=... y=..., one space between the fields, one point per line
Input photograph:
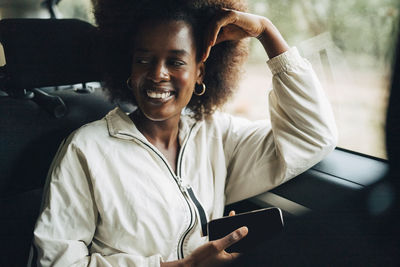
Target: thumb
x=232 y=238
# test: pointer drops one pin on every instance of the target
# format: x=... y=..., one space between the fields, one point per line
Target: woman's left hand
x=231 y=25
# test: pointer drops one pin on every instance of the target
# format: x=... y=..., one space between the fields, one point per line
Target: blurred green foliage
x=361 y=28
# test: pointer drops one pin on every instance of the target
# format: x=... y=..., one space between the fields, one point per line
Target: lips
x=159 y=94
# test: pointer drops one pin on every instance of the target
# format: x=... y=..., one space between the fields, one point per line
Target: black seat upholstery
x=40 y=53
x=49 y=52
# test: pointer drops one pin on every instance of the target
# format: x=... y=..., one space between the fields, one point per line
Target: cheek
x=135 y=79
x=136 y=83
x=186 y=76
x=187 y=81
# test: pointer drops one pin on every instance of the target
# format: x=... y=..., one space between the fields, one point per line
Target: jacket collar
x=121 y=126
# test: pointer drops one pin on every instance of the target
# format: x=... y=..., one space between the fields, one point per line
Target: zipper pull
x=182 y=187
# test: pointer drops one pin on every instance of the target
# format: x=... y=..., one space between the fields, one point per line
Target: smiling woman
x=163 y=78
x=223 y=66
x=164 y=69
x=138 y=189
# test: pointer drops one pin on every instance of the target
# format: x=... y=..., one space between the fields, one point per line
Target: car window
x=350 y=45
x=2 y=56
x=23 y=9
x=79 y=9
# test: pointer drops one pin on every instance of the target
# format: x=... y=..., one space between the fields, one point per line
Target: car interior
x=359 y=229
x=39 y=109
x=51 y=85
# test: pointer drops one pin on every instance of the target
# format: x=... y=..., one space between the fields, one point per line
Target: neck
x=160 y=133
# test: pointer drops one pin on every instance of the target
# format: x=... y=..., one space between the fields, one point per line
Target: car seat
x=40 y=104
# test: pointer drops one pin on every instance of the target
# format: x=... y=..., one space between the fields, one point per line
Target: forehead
x=164 y=36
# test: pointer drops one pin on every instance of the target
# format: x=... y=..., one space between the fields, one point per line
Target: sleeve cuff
x=285 y=61
x=155 y=260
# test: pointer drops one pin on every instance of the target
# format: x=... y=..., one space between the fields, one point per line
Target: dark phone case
x=263 y=224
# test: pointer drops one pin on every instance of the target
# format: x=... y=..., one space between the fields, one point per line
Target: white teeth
x=153 y=94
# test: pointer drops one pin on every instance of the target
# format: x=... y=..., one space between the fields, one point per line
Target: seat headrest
x=49 y=52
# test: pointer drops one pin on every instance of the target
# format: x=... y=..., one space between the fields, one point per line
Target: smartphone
x=263 y=224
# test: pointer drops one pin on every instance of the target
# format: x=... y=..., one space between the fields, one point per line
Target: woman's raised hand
x=231 y=25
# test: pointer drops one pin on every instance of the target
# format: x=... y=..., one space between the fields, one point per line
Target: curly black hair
x=117 y=21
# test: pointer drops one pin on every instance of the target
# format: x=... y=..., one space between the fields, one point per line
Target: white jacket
x=113 y=200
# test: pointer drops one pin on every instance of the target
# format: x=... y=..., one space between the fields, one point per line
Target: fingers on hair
x=115 y=20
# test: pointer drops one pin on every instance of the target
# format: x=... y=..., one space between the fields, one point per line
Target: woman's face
x=164 y=69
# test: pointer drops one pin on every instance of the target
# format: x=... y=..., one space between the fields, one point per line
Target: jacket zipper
x=191 y=225
x=186 y=191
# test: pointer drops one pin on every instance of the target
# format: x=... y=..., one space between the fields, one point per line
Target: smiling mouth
x=158 y=95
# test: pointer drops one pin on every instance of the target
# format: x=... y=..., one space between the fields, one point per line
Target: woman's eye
x=177 y=63
x=142 y=61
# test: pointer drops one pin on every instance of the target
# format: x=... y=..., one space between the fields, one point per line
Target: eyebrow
x=178 y=52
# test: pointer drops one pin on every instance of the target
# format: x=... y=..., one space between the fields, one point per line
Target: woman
x=138 y=189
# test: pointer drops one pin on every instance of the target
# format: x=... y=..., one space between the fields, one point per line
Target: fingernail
x=235 y=236
x=243 y=230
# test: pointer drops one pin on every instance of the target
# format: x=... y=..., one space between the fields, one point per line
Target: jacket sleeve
x=67 y=222
x=261 y=155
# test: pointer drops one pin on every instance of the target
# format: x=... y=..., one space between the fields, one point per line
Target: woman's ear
x=201 y=70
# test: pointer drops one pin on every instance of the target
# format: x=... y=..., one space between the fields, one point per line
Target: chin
x=157 y=117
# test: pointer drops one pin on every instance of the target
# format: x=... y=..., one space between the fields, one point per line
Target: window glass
x=350 y=45
x=79 y=9
x=22 y=9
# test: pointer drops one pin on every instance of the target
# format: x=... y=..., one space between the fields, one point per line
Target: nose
x=158 y=72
